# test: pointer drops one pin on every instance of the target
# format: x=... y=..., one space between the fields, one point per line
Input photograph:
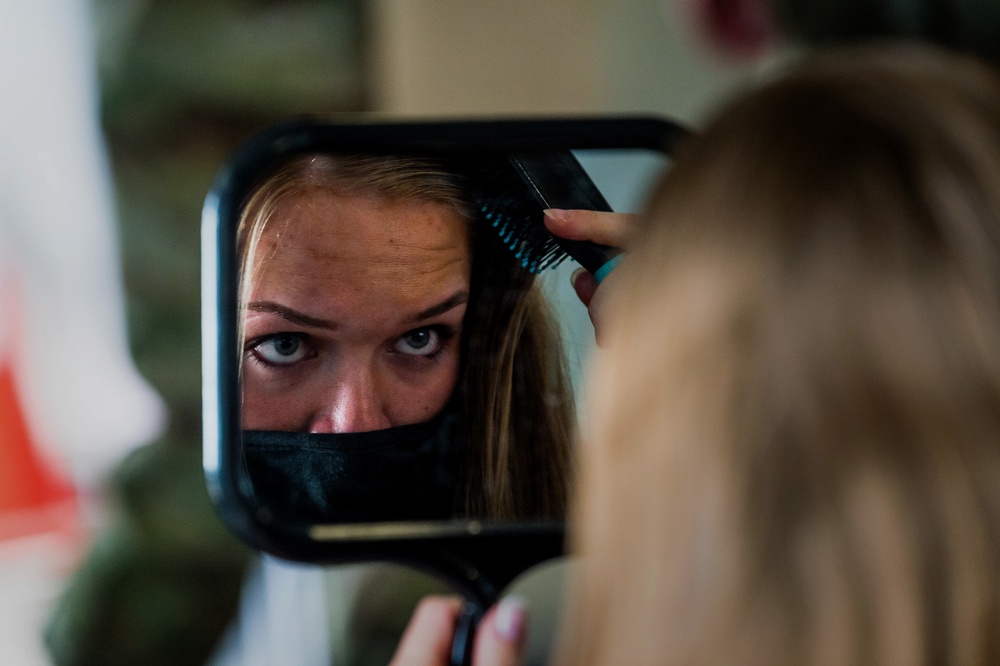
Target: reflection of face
x=354 y=321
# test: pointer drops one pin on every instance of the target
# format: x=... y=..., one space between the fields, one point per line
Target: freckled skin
x=367 y=267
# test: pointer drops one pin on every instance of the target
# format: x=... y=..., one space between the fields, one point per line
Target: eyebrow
x=291 y=315
x=453 y=301
x=296 y=317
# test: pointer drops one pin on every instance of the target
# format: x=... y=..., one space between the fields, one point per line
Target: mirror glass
x=400 y=360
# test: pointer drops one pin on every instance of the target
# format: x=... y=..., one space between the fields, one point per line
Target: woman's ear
x=741 y=28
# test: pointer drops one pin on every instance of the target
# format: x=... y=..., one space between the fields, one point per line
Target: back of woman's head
x=794 y=451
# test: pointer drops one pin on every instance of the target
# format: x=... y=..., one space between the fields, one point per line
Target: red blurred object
x=36 y=495
x=741 y=28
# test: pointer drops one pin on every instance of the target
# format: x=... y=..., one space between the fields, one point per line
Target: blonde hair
x=795 y=446
x=514 y=402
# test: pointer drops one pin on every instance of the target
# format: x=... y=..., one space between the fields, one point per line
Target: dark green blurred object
x=161 y=583
x=970 y=26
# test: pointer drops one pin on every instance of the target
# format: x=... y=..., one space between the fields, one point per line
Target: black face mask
x=398 y=474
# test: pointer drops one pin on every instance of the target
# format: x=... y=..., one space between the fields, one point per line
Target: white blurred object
x=283 y=618
x=85 y=401
x=30 y=584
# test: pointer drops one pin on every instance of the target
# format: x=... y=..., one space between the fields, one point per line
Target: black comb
x=513 y=191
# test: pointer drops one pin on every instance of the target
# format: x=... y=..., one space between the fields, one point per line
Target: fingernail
x=576 y=275
x=510 y=620
x=557 y=214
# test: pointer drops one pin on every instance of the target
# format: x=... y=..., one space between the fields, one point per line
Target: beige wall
x=490 y=57
x=486 y=56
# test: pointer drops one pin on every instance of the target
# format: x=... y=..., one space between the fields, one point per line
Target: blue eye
x=419 y=342
x=281 y=349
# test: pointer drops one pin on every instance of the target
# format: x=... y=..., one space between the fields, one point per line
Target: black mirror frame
x=465 y=553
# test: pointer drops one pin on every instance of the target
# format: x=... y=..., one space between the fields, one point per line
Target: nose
x=352 y=403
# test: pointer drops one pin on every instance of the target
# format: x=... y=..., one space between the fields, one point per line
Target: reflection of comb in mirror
x=517 y=188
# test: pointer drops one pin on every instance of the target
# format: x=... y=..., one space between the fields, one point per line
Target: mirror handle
x=465 y=634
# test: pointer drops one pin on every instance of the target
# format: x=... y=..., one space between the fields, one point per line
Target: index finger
x=612 y=229
x=428 y=638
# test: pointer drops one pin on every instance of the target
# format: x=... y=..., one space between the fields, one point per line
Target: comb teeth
x=529 y=241
x=508 y=207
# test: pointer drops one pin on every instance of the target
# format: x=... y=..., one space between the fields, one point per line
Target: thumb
x=428 y=637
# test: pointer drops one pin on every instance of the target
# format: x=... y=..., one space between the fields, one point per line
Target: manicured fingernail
x=557 y=214
x=510 y=619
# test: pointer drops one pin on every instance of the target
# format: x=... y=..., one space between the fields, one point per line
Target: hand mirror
x=389 y=365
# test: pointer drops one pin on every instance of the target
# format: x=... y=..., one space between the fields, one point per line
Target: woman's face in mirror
x=354 y=313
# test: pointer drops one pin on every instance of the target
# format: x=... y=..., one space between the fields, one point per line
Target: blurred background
x=155 y=579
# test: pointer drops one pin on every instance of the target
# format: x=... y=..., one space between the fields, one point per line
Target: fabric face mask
x=405 y=473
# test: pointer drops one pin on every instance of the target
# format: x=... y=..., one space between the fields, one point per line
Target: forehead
x=348 y=224
x=317 y=239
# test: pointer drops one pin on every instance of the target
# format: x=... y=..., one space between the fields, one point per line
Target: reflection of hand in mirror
x=612 y=229
x=371 y=302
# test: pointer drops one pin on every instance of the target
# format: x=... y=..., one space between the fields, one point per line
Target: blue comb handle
x=606 y=269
